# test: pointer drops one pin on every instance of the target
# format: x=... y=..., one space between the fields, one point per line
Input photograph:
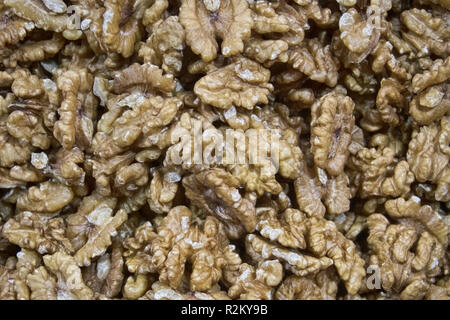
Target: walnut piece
x=204 y=20
x=216 y=192
x=243 y=83
x=331 y=127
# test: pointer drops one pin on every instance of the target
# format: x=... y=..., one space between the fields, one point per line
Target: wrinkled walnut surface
x=94 y=204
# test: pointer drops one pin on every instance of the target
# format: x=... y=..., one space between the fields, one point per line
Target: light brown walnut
x=77 y=111
x=426 y=33
x=331 y=127
x=34 y=232
x=216 y=191
x=243 y=83
x=165 y=46
x=206 y=20
x=428 y=156
x=316 y=61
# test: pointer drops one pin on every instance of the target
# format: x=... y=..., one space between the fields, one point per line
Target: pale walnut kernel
x=319 y=194
x=146 y=77
x=203 y=20
x=120 y=27
x=48 y=197
x=426 y=33
x=106 y=275
x=358 y=36
x=331 y=127
x=13 y=29
x=403 y=271
x=380 y=175
x=39 y=14
x=69 y=283
x=77 y=111
x=390 y=101
x=162 y=190
x=161 y=291
x=140 y=123
x=66 y=166
x=216 y=191
x=267 y=19
x=428 y=156
x=178 y=242
x=28 y=126
x=432 y=100
x=31 y=231
x=91 y=228
x=165 y=46
x=243 y=83
x=34 y=51
x=316 y=61
x=296 y=262
x=322 y=286
x=412 y=213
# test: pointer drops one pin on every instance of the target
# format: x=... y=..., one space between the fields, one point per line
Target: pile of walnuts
x=92 y=205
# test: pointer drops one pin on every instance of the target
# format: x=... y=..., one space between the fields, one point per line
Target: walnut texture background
x=93 y=206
